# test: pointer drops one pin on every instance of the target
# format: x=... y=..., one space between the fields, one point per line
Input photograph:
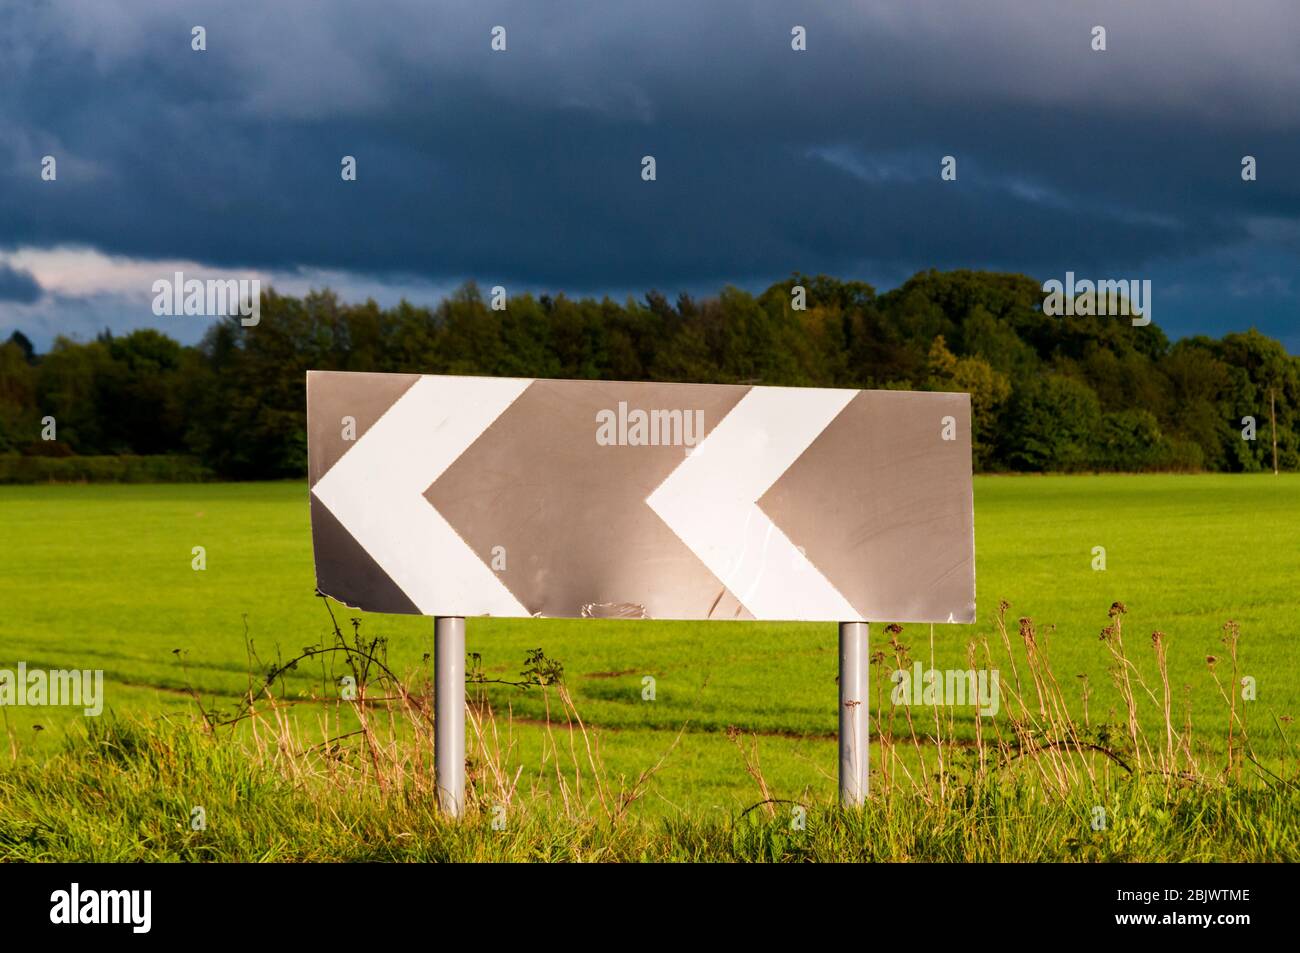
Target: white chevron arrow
x=711 y=502
x=376 y=490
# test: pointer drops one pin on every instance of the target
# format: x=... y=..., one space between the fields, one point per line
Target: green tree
x=1053 y=425
x=988 y=389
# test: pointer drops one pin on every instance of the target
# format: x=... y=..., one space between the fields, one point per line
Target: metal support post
x=449 y=712
x=854 y=715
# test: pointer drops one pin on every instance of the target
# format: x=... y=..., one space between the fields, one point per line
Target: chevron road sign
x=469 y=496
x=465 y=496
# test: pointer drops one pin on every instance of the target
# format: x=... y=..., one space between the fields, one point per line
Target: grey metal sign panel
x=465 y=496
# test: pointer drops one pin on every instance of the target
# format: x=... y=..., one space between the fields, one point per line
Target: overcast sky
x=523 y=168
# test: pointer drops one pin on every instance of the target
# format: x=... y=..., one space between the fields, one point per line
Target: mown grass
x=100 y=577
x=96 y=574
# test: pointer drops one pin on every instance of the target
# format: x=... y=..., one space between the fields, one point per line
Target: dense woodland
x=1049 y=393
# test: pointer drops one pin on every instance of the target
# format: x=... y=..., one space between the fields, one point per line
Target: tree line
x=1076 y=393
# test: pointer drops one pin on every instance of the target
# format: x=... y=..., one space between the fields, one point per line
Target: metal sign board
x=469 y=496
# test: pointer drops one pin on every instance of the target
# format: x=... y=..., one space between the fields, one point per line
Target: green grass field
x=100 y=577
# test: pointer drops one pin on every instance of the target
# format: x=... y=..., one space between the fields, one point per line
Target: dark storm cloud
x=17 y=285
x=524 y=166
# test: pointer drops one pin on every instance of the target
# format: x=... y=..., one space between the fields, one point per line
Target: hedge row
x=121 y=468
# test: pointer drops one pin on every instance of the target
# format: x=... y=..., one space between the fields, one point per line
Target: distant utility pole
x=1272 y=416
